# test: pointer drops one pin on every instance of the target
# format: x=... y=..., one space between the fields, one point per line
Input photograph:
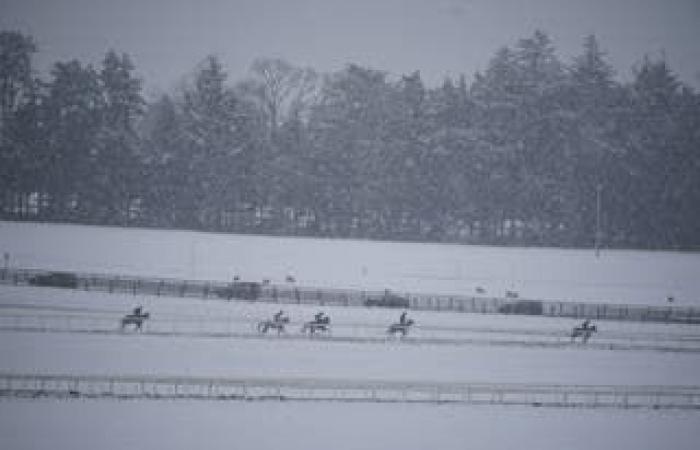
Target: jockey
x=137 y=311
x=320 y=317
x=586 y=323
x=402 y=319
x=279 y=316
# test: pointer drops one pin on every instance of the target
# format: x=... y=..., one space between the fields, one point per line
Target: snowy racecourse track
x=180 y=340
x=365 y=352
x=56 y=310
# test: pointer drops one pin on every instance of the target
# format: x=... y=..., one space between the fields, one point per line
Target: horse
x=134 y=319
x=399 y=328
x=314 y=326
x=278 y=325
x=585 y=331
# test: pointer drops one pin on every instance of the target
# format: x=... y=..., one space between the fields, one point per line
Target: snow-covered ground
x=149 y=355
x=183 y=424
x=616 y=276
x=173 y=424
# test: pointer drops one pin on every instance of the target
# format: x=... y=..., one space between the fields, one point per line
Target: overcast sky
x=167 y=38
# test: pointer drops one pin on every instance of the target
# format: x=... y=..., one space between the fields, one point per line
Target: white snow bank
x=617 y=276
x=184 y=424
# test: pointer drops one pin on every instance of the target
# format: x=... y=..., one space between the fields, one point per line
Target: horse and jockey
x=278 y=322
x=585 y=330
x=136 y=318
x=320 y=323
x=402 y=326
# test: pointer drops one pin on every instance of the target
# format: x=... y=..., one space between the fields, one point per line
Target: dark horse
x=584 y=331
x=317 y=325
x=134 y=319
x=278 y=325
x=399 y=328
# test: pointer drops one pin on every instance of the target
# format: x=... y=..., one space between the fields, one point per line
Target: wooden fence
x=289 y=293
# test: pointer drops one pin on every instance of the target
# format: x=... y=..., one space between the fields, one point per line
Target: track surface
x=46 y=316
x=78 y=334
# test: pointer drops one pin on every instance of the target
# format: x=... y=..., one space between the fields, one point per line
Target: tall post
x=598 y=232
x=5 y=272
x=193 y=259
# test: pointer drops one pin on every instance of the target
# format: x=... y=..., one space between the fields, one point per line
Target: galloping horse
x=278 y=325
x=585 y=331
x=399 y=328
x=317 y=325
x=134 y=319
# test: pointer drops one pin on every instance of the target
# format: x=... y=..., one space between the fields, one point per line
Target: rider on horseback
x=321 y=322
x=136 y=318
x=279 y=317
x=402 y=326
x=321 y=317
x=585 y=331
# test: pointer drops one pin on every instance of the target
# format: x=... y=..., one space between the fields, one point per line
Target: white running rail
x=154 y=387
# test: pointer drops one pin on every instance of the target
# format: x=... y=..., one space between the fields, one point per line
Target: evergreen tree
x=165 y=163
x=350 y=127
x=596 y=103
x=220 y=160
x=515 y=157
x=72 y=107
x=656 y=157
x=16 y=81
x=18 y=133
x=117 y=188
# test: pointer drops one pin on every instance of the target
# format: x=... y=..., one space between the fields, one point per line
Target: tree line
x=533 y=151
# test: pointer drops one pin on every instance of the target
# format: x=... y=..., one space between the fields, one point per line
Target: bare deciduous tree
x=280 y=89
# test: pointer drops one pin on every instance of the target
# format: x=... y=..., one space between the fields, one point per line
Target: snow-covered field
x=556 y=274
x=83 y=423
x=186 y=425
x=189 y=350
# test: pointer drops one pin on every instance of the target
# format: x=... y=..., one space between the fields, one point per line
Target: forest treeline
x=532 y=151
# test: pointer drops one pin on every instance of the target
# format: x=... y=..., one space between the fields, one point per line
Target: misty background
x=529 y=123
x=167 y=38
